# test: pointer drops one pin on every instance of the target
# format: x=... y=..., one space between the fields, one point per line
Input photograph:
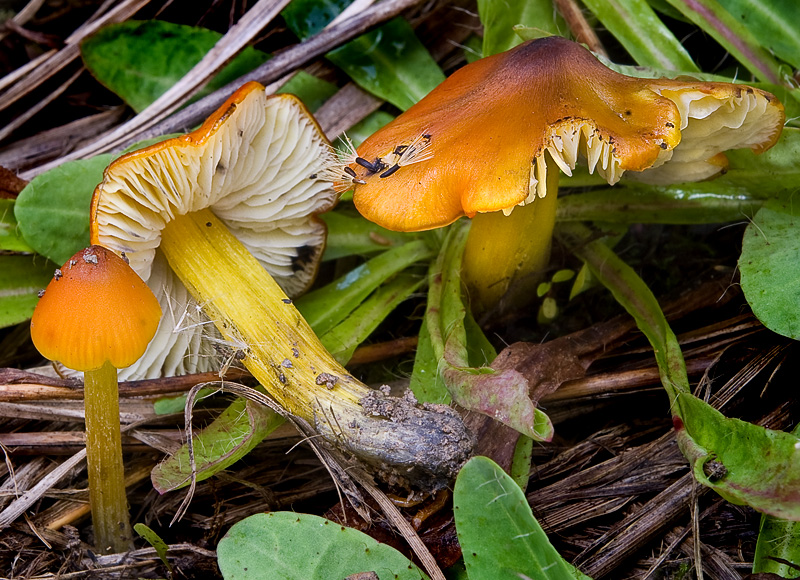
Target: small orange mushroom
x=493 y=136
x=97 y=315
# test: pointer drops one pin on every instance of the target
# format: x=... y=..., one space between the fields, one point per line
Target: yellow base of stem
x=505 y=255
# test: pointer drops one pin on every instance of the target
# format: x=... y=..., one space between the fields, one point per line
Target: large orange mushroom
x=96 y=316
x=488 y=143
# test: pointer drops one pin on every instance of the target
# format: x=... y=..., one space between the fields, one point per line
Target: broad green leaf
x=774 y=23
x=308 y=17
x=499 y=17
x=141 y=60
x=500 y=394
x=231 y=436
x=734 y=35
x=637 y=27
x=53 y=209
x=778 y=542
x=326 y=307
x=309 y=89
x=352 y=235
x=21 y=279
x=770 y=268
x=10 y=238
x=391 y=63
x=499 y=537
x=761 y=466
x=344 y=338
x=292 y=546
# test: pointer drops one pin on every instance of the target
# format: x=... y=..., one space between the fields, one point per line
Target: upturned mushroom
x=488 y=143
x=203 y=210
x=97 y=316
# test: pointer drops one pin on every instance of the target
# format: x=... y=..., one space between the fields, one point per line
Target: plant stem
x=112 y=527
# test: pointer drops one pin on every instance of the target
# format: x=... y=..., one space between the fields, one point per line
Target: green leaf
x=326 y=307
x=778 y=542
x=154 y=540
x=520 y=470
x=291 y=546
x=734 y=35
x=309 y=89
x=499 y=17
x=352 y=235
x=761 y=466
x=500 y=394
x=177 y=404
x=637 y=27
x=343 y=339
x=21 y=279
x=499 y=536
x=231 y=436
x=770 y=269
x=10 y=238
x=773 y=23
x=426 y=382
x=307 y=17
x=53 y=209
x=141 y=60
x=391 y=63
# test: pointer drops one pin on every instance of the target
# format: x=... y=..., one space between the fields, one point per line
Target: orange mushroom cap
x=473 y=143
x=96 y=309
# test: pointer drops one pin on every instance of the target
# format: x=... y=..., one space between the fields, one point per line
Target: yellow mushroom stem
x=425 y=446
x=112 y=528
x=253 y=313
x=505 y=255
